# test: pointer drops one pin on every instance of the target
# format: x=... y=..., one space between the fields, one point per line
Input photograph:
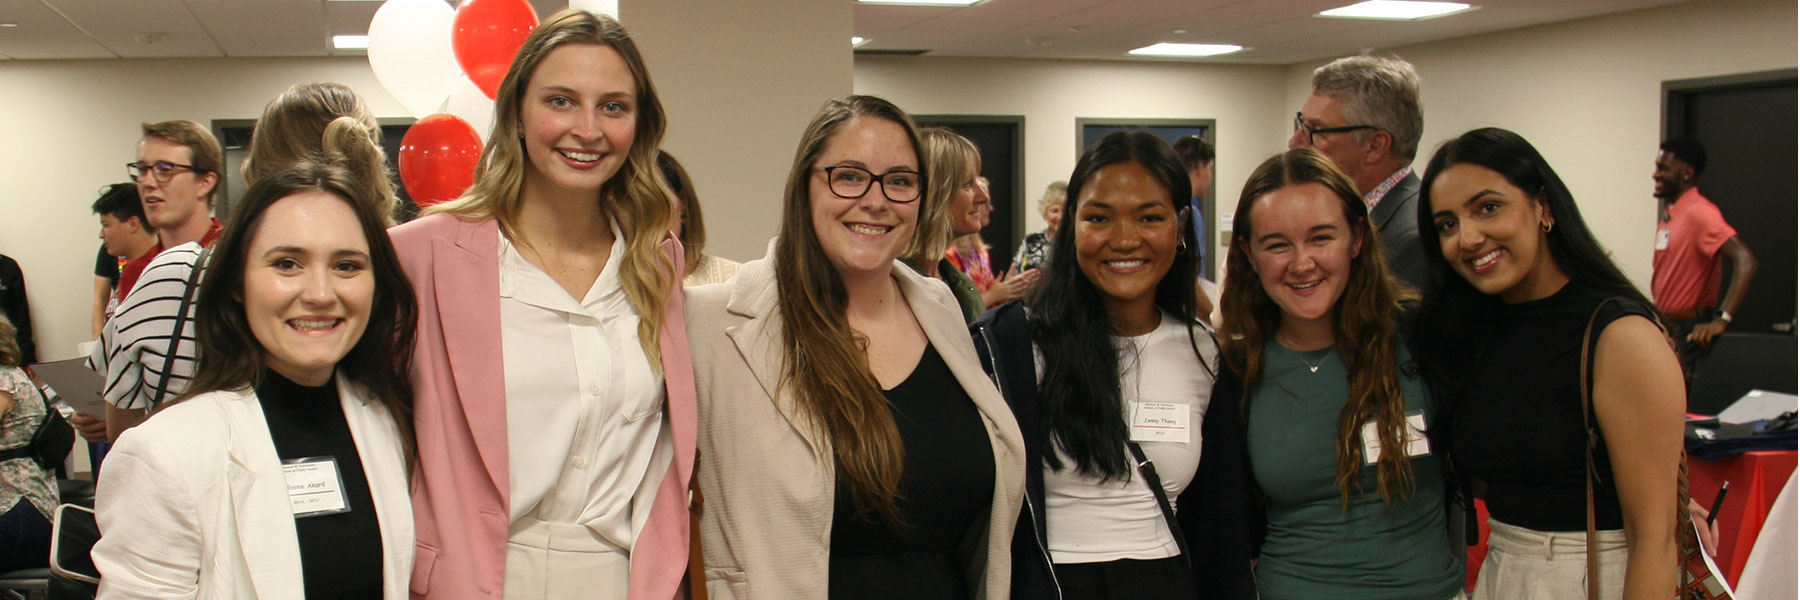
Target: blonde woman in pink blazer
x=554 y=395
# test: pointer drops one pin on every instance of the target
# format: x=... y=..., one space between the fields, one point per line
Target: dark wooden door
x=999 y=138
x=1749 y=132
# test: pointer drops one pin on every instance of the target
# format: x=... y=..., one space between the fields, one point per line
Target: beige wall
x=735 y=117
x=740 y=81
x=1246 y=102
x=1588 y=95
x=72 y=125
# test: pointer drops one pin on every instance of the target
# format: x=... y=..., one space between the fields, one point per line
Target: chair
x=72 y=572
x=1741 y=362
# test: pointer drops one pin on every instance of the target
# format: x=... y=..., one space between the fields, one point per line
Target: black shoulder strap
x=181 y=318
x=1148 y=470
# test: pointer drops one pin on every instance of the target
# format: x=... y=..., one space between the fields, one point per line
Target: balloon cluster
x=445 y=67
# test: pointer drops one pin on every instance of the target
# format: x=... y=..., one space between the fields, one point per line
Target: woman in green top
x=1334 y=409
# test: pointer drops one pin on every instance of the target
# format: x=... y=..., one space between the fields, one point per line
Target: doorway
x=1747 y=123
x=1000 y=139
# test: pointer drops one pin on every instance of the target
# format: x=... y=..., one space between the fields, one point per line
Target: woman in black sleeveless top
x=1516 y=276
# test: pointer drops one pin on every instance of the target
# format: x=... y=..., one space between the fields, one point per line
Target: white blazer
x=193 y=503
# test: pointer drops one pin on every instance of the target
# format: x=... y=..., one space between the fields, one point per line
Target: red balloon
x=485 y=36
x=438 y=158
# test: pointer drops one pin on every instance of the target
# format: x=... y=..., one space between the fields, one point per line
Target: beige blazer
x=194 y=503
x=767 y=474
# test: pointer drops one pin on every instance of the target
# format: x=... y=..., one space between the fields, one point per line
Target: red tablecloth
x=1756 y=479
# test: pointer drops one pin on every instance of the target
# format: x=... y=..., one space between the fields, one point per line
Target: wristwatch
x=1724 y=316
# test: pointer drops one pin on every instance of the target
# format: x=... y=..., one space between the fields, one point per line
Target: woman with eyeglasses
x=852 y=447
x=1322 y=391
x=1519 y=279
x=1109 y=376
x=555 y=401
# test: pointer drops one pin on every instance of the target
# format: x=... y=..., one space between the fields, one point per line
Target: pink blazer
x=460 y=489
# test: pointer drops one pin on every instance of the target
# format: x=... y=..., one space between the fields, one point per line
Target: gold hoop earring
x=1547 y=226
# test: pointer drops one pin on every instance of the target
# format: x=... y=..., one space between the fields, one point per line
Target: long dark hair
x=1365 y=323
x=824 y=360
x=1072 y=328
x=1453 y=312
x=231 y=358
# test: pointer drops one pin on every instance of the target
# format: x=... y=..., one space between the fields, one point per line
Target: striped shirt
x=134 y=344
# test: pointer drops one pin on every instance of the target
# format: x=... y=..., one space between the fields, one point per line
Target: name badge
x=1416 y=444
x=314 y=486
x=1662 y=239
x=1160 y=422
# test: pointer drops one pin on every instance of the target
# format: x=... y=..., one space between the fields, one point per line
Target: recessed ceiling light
x=1174 y=49
x=857 y=41
x=1396 y=10
x=350 y=42
x=9 y=25
x=922 y=2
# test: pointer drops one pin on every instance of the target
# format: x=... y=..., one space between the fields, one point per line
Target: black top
x=945 y=495
x=340 y=554
x=1518 y=425
x=107 y=265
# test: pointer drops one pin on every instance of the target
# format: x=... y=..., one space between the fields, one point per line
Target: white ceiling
x=1274 y=31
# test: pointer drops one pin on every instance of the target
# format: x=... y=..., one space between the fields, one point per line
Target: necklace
x=1310 y=366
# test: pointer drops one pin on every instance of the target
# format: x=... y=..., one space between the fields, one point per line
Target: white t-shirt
x=583 y=405
x=1090 y=521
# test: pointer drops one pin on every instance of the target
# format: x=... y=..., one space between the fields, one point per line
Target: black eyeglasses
x=1312 y=133
x=161 y=170
x=853 y=182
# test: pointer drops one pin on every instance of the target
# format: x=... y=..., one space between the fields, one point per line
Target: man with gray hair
x=1364 y=114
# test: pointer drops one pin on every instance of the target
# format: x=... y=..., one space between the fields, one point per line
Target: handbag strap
x=1148 y=470
x=1593 y=473
x=1593 y=439
x=696 y=569
x=181 y=318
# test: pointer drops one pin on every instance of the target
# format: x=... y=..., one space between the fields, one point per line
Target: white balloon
x=409 y=50
x=472 y=105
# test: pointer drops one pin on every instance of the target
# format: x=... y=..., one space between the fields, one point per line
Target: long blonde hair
x=950 y=161
x=1365 y=321
x=635 y=196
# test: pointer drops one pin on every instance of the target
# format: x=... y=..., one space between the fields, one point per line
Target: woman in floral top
x=27 y=491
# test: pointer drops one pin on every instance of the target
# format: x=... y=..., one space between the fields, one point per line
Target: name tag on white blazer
x=314 y=486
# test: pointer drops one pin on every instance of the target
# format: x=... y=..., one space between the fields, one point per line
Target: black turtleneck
x=340 y=554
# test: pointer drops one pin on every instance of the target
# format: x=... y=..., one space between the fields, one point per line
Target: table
x=1756 y=479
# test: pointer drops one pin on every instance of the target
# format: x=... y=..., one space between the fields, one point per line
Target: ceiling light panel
x=1395 y=10
x=921 y=2
x=1185 y=50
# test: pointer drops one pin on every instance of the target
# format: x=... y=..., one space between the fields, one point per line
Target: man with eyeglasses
x=177 y=175
x=1364 y=114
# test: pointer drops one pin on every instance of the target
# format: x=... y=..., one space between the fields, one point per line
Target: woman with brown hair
x=304 y=326
x=853 y=448
x=1334 y=411
x=555 y=400
x=702 y=268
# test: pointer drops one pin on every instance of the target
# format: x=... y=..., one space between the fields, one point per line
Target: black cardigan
x=1214 y=510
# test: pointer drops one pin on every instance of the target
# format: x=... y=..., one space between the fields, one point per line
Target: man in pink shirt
x=1691 y=239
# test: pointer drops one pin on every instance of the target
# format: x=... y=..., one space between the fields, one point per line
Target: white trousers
x=1526 y=564
x=547 y=561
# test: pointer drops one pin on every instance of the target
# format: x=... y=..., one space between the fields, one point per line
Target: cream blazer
x=193 y=503
x=767 y=474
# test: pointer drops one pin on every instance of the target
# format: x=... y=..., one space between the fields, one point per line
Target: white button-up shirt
x=582 y=401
